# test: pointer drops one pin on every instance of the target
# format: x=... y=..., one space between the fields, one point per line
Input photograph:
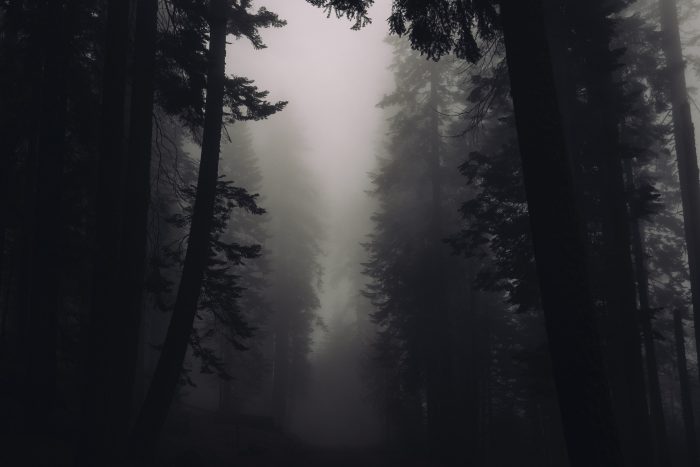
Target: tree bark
x=662 y=454
x=136 y=202
x=442 y=428
x=624 y=343
x=43 y=258
x=104 y=423
x=165 y=379
x=558 y=241
x=686 y=155
x=686 y=391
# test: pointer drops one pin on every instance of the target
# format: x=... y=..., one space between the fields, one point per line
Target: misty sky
x=333 y=78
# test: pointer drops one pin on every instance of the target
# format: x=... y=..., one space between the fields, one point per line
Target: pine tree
x=422 y=295
x=293 y=252
x=220 y=19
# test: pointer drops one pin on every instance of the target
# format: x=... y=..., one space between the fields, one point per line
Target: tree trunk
x=558 y=241
x=43 y=257
x=167 y=374
x=686 y=391
x=105 y=420
x=624 y=343
x=136 y=203
x=686 y=156
x=442 y=428
x=662 y=454
x=281 y=375
x=226 y=405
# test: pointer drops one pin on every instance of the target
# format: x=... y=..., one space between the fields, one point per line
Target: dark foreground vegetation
x=527 y=291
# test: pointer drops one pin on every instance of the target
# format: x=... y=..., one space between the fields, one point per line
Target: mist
x=349 y=233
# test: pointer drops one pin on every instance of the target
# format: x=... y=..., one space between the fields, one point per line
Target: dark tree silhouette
x=555 y=219
x=222 y=19
x=686 y=154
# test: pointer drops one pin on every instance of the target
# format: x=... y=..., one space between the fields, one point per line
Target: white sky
x=333 y=78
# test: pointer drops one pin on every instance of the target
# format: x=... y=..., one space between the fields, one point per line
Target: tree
x=686 y=155
x=51 y=41
x=555 y=219
x=107 y=408
x=293 y=254
x=222 y=18
x=248 y=368
x=425 y=305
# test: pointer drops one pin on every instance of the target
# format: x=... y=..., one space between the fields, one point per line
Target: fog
x=273 y=233
x=333 y=78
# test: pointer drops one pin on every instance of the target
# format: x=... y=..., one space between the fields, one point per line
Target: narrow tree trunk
x=558 y=241
x=225 y=386
x=167 y=374
x=281 y=375
x=686 y=391
x=662 y=451
x=442 y=429
x=686 y=156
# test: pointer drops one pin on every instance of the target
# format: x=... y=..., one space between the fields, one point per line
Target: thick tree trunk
x=686 y=391
x=558 y=240
x=686 y=156
x=43 y=258
x=11 y=125
x=167 y=374
x=662 y=454
x=136 y=203
x=104 y=424
x=624 y=343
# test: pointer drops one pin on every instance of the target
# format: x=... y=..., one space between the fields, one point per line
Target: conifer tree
x=553 y=207
x=219 y=18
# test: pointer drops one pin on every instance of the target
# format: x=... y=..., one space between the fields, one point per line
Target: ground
x=201 y=440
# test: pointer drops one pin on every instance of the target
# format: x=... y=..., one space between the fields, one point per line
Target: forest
x=349 y=233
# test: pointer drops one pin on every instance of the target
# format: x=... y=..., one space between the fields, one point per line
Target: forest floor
x=200 y=441
x=204 y=440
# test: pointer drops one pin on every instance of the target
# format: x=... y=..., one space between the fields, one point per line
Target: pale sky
x=333 y=78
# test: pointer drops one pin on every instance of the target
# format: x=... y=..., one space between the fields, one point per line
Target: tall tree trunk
x=136 y=203
x=167 y=374
x=686 y=391
x=624 y=343
x=105 y=420
x=465 y=338
x=226 y=405
x=280 y=381
x=558 y=241
x=43 y=260
x=10 y=136
x=686 y=156
x=662 y=452
x=442 y=430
